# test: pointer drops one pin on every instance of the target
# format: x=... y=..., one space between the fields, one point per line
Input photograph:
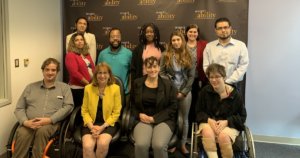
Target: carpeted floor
x=263 y=150
x=269 y=150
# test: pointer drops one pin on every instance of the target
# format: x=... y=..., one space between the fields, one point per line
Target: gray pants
x=38 y=138
x=156 y=135
x=184 y=107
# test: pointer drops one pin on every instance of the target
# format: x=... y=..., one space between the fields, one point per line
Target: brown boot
x=210 y=147
x=226 y=150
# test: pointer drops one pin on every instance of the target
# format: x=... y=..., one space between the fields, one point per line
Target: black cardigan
x=232 y=108
x=166 y=102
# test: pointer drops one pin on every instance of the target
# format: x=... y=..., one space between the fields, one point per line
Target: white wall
x=35 y=32
x=272 y=94
x=273 y=78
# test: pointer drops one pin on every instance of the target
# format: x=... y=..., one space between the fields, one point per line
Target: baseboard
x=277 y=140
x=3 y=155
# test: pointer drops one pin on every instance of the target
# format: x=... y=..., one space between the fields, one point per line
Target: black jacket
x=232 y=108
x=166 y=102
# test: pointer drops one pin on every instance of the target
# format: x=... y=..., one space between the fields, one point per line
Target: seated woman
x=220 y=112
x=100 y=111
x=155 y=110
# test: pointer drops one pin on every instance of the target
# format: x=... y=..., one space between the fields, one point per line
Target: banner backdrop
x=168 y=15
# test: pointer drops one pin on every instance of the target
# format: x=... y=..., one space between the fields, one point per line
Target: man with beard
x=40 y=109
x=226 y=51
x=118 y=58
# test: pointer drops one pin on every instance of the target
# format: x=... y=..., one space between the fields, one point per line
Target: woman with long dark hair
x=149 y=45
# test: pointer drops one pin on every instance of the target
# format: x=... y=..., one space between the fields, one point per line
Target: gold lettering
x=95 y=18
x=78 y=4
x=233 y=32
x=165 y=16
x=147 y=2
x=203 y=14
x=106 y=30
x=185 y=1
x=128 y=45
x=112 y=3
x=180 y=29
x=126 y=16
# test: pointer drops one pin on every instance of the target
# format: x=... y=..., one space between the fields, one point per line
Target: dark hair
x=87 y=24
x=98 y=67
x=215 y=68
x=151 y=60
x=191 y=26
x=49 y=61
x=223 y=19
x=142 y=35
x=113 y=29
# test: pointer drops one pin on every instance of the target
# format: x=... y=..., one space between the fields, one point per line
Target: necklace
x=101 y=91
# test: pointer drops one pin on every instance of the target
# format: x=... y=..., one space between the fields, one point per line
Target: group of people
x=160 y=82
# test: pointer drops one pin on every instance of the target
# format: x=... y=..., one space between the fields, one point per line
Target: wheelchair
x=128 y=127
x=70 y=140
x=51 y=149
x=242 y=148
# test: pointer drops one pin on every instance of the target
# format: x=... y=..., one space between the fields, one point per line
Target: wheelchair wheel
x=10 y=143
x=64 y=138
x=250 y=143
x=194 y=151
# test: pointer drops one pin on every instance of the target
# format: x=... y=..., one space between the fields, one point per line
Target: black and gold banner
x=130 y=15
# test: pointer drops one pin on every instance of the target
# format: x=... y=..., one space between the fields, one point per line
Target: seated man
x=41 y=107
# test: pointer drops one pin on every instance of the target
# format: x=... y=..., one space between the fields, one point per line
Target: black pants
x=77 y=96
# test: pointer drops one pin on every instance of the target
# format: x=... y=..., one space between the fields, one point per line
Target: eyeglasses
x=214 y=77
x=221 y=28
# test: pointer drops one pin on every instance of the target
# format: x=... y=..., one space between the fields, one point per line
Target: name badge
x=60 y=97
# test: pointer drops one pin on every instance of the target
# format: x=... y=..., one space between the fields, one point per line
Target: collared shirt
x=38 y=101
x=119 y=62
x=234 y=56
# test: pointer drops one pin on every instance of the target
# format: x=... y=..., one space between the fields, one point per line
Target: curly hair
x=142 y=34
x=73 y=48
x=184 y=58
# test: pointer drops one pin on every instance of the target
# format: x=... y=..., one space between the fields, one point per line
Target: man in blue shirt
x=118 y=58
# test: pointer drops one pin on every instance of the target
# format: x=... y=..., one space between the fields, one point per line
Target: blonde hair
x=185 y=57
x=99 y=67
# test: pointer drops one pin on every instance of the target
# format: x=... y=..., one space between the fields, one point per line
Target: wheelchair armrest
x=179 y=124
x=76 y=112
x=124 y=119
x=127 y=120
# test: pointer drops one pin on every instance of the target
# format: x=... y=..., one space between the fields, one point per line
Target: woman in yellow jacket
x=100 y=111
